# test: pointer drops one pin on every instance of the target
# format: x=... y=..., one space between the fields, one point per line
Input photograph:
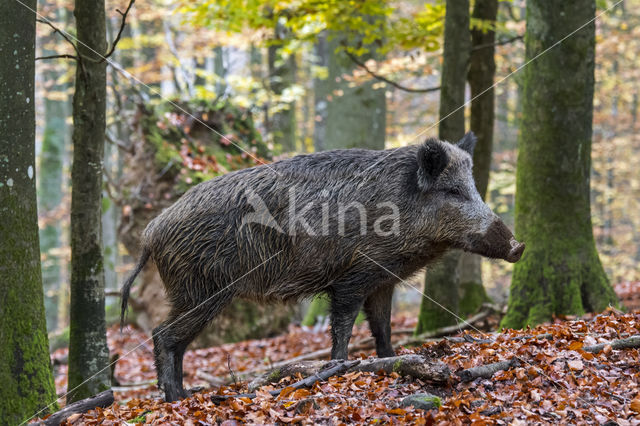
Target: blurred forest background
x=282 y=81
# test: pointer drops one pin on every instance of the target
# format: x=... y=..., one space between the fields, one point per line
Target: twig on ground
x=333 y=368
x=628 y=343
x=413 y=365
x=486 y=371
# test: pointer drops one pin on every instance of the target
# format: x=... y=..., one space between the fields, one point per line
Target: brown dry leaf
x=635 y=405
x=575 y=345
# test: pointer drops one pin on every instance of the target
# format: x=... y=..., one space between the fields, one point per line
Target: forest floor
x=555 y=380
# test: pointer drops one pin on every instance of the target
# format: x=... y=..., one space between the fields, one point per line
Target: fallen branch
x=413 y=365
x=486 y=371
x=103 y=400
x=628 y=343
x=333 y=368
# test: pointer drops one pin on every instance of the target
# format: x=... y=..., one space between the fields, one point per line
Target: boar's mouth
x=497 y=243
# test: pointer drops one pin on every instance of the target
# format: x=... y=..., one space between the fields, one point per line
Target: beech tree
x=560 y=272
x=88 y=351
x=25 y=369
x=442 y=281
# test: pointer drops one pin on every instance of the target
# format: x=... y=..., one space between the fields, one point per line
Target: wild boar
x=348 y=223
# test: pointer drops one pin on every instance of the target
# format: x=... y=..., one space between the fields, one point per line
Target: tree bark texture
x=88 y=351
x=25 y=368
x=442 y=282
x=560 y=272
x=482 y=69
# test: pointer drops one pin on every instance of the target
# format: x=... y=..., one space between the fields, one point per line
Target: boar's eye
x=456 y=192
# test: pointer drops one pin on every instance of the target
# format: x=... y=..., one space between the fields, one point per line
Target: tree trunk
x=356 y=116
x=25 y=368
x=50 y=186
x=482 y=69
x=282 y=74
x=219 y=70
x=560 y=272
x=321 y=89
x=88 y=352
x=442 y=283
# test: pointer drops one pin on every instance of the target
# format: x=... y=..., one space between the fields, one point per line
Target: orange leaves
x=557 y=382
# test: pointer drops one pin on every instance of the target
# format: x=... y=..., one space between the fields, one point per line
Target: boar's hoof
x=516 y=251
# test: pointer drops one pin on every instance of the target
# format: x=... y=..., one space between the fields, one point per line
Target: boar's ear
x=432 y=159
x=468 y=143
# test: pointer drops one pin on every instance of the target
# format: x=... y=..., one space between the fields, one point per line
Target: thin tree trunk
x=442 y=283
x=560 y=272
x=482 y=69
x=50 y=186
x=25 y=368
x=88 y=352
x=320 y=92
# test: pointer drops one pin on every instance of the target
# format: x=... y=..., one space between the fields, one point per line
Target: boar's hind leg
x=344 y=310
x=171 y=338
x=377 y=307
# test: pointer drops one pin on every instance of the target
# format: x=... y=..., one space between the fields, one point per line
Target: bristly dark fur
x=206 y=255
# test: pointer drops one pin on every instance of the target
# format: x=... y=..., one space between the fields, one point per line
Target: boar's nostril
x=516 y=251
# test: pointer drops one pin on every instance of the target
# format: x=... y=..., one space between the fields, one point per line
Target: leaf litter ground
x=557 y=381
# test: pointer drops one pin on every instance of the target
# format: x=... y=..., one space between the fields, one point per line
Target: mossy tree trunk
x=482 y=69
x=560 y=272
x=25 y=368
x=88 y=352
x=442 y=283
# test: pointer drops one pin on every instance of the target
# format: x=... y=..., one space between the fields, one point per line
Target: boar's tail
x=126 y=288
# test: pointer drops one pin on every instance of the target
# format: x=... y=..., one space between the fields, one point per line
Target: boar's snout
x=516 y=251
x=497 y=242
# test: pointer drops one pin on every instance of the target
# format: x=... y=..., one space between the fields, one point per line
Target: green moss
x=431 y=399
x=441 y=290
x=319 y=308
x=560 y=272
x=275 y=375
x=142 y=418
x=397 y=366
x=473 y=296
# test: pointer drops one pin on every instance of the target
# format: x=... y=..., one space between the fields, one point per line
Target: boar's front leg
x=377 y=307
x=345 y=307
